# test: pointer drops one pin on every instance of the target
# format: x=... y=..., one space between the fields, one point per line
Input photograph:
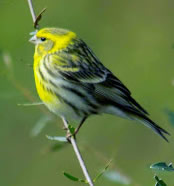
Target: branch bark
x=79 y=157
x=32 y=10
x=73 y=141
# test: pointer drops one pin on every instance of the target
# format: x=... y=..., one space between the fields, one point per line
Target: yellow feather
x=61 y=41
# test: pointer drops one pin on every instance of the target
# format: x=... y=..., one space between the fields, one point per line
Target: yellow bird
x=73 y=83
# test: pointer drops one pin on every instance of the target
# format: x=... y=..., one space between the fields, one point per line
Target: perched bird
x=73 y=83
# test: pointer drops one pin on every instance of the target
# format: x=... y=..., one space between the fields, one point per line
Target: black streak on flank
x=82 y=96
x=76 y=110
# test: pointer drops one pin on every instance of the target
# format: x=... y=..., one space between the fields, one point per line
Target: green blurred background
x=132 y=38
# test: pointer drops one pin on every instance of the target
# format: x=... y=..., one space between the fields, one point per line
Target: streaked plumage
x=73 y=83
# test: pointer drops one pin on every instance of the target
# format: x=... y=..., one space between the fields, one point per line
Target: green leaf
x=30 y=104
x=102 y=172
x=57 y=138
x=73 y=178
x=159 y=182
x=162 y=166
x=71 y=129
x=62 y=141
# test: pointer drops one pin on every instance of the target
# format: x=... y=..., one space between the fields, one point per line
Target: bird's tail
x=150 y=124
x=137 y=115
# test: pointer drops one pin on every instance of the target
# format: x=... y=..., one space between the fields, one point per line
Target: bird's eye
x=42 y=38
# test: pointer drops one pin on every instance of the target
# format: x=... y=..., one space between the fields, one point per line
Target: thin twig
x=79 y=157
x=38 y=18
x=35 y=18
x=73 y=141
x=32 y=10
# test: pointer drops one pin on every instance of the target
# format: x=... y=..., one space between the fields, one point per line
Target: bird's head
x=50 y=40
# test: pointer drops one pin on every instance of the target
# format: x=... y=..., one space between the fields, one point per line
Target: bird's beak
x=33 y=39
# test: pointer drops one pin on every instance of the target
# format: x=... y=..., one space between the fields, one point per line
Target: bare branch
x=79 y=157
x=32 y=10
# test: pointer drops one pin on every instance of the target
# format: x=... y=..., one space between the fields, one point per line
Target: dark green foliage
x=73 y=178
x=162 y=166
x=159 y=182
x=102 y=172
x=71 y=129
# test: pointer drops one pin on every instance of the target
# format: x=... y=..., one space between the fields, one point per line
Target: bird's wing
x=80 y=64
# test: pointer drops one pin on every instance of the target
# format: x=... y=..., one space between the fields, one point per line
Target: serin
x=73 y=83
